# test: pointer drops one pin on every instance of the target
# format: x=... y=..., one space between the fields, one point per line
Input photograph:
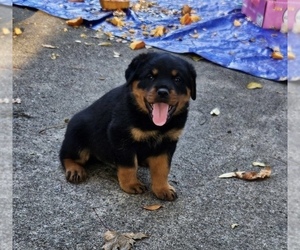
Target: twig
x=54 y=126
x=101 y=221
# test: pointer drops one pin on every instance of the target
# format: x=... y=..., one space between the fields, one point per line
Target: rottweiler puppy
x=135 y=124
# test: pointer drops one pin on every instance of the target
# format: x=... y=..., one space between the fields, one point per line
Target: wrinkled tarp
x=246 y=48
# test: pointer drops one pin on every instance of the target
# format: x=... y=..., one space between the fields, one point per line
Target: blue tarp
x=247 y=48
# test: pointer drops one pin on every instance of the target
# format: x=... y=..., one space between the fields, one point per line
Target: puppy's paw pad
x=134 y=188
x=76 y=176
x=167 y=193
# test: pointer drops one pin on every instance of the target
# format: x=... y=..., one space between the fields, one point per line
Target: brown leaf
x=17 y=31
x=153 y=207
x=277 y=55
x=186 y=9
x=75 y=22
x=116 y=21
x=158 y=31
x=137 y=45
x=250 y=176
x=186 y=19
x=115 y=240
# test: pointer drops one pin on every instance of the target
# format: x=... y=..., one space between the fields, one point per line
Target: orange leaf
x=75 y=22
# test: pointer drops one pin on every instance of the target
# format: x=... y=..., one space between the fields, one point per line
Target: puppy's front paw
x=133 y=188
x=166 y=192
x=74 y=172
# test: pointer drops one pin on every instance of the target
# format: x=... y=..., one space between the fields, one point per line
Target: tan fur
x=84 y=156
x=182 y=101
x=159 y=170
x=155 y=71
x=139 y=96
x=128 y=181
x=74 y=171
x=140 y=135
x=174 y=72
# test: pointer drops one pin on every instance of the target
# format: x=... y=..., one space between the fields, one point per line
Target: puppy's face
x=161 y=85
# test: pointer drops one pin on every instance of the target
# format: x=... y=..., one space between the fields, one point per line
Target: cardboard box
x=273 y=14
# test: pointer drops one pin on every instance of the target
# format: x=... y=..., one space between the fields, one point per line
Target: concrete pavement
x=50 y=213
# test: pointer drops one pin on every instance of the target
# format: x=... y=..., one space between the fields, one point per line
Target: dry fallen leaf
x=117 y=54
x=291 y=55
x=215 y=111
x=277 y=55
x=158 y=31
x=249 y=176
x=48 y=46
x=116 y=21
x=194 y=35
x=75 y=22
x=105 y=44
x=17 y=31
x=4 y=100
x=196 y=58
x=186 y=9
x=237 y=23
x=5 y=31
x=228 y=175
x=186 y=19
x=16 y=100
x=254 y=85
x=195 y=18
x=258 y=164
x=262 y=174
x=137 y=45
x=54 y=56
x=115 y=240
x=153 y=207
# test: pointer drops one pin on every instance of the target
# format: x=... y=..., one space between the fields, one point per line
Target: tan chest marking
x=140 y=135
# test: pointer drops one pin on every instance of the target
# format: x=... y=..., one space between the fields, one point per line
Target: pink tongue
x=160 y=113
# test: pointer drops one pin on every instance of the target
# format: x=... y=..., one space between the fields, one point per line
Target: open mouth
x=160 y=112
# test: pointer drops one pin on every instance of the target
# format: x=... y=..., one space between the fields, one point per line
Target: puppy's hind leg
x=74 y=169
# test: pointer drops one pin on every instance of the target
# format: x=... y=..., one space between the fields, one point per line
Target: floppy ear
x=192 y=83
x=135 y=65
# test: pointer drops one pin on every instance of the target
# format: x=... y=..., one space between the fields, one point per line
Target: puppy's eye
x=177 y=79
x=150 y=77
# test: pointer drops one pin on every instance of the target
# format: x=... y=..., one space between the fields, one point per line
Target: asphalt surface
x=5 y=130
x=293 y=165
x=50 y=213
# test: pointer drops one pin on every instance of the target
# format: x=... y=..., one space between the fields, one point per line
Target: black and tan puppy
x=138 y=123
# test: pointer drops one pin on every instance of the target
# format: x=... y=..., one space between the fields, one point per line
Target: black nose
x=163 y=92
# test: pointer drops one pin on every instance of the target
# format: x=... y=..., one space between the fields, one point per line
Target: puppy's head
x=161 y=84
